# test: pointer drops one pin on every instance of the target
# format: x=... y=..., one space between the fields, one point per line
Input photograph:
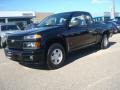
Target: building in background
x=40 y=16
x=21 y=18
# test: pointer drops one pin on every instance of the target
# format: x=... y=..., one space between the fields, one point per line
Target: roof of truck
x=74 y=12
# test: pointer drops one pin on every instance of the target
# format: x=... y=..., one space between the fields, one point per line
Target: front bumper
x=34 y=55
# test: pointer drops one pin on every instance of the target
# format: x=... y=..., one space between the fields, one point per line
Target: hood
x=34 y=31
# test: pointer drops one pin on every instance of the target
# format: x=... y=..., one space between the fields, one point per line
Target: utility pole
x=113 y=9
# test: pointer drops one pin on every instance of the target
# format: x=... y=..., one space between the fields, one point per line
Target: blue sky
x=56 y=6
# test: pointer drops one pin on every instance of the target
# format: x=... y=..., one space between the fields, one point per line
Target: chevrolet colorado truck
x=57 y=35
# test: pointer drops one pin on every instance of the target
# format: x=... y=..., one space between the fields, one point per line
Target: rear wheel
x=55 y=56
x=105 y=42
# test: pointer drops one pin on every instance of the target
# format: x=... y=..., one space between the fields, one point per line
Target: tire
x=55 y=56
x=105 y=42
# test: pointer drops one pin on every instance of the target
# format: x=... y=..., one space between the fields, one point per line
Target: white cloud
x=100 y=1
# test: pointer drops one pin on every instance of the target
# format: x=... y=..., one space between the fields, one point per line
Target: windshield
x=54 y=20
x=9 y=28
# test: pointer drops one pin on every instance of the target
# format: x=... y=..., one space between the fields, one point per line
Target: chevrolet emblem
x=12 y=41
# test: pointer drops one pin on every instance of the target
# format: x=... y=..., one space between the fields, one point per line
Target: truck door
x=77 y=33
x=91 y=29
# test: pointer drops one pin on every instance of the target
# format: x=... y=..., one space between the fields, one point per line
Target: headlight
x=31 y=45
x=36 y=36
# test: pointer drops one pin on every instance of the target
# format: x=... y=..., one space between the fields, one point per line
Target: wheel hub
x=56 y=56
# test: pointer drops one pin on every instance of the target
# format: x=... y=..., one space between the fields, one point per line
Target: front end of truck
x=25 y=47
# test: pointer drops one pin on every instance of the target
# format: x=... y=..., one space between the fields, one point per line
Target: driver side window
x=51 y=21
x=77 y=21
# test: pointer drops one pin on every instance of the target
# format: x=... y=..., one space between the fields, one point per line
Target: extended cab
x=57 y=35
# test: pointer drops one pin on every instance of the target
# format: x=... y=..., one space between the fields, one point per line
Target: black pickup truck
x=57 y=35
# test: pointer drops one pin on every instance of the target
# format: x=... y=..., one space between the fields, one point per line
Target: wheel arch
x=58 y=40
x=107 y=32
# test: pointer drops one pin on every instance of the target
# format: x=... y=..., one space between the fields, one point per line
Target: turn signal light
x=37 y=44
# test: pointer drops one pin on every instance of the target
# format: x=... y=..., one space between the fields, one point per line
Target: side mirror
x=74 y=23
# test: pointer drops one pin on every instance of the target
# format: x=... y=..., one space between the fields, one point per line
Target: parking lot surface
x=88 y=69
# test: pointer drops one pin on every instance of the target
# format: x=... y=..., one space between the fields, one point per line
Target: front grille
x=15 y=42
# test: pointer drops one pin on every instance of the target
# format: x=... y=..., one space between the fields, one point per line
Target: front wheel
x=105 y=42
x=55 y=56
